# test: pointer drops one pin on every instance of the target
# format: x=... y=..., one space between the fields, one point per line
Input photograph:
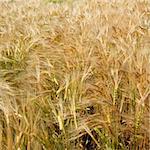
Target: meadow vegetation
x=75 y=75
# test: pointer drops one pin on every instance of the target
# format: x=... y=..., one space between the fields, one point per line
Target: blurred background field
x=74 y=75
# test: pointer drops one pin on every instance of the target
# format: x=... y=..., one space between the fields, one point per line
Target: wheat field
x=74 y=75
